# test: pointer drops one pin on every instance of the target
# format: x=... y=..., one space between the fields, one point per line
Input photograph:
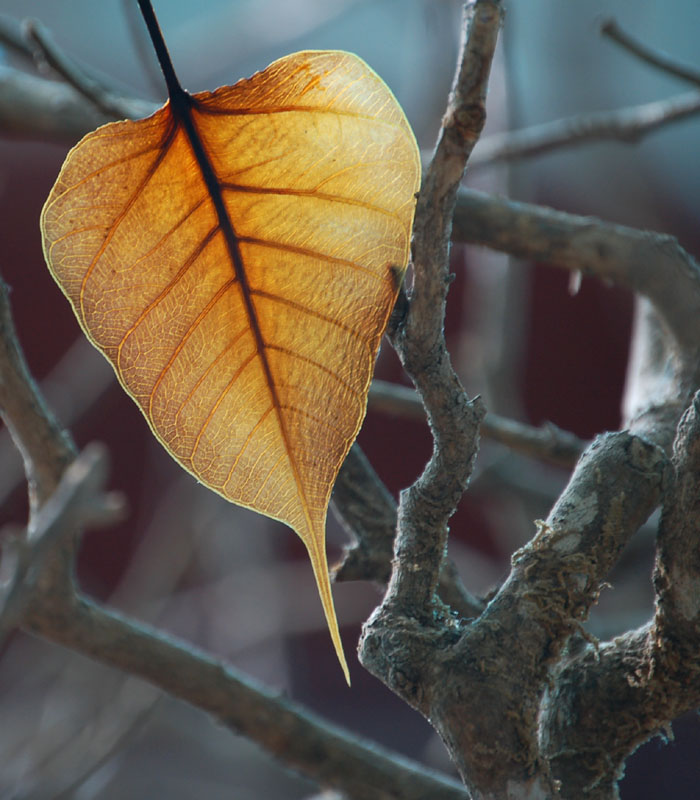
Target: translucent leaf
x=242 y=303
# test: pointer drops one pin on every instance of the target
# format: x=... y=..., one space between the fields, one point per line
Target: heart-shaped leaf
x=236 y=257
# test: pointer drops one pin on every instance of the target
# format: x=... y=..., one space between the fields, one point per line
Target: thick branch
x=652 y=264
x=299 y=739
x=426 y=507
x=481 y=684
x=608 y=701
x=554 y=581
x=677 y=578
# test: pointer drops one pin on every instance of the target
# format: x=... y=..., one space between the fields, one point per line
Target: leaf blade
x=244 y=318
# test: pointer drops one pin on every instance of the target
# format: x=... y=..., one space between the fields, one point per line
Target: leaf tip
x=314 y=545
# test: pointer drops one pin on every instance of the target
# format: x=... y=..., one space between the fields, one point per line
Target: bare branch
x=368 y=513
x=92 y=89
x=664 y=366
x=554 y=581
x=54 y=610
x=419 y=340
x=35 y=108
x=299 y=739
x=623 y=124
x=78 y=500
x=652 y=264
x=548 y=442
x=12 y=37
x=608 y=700
x=407 y=633
x=657 y=59
x=45 y=447
x=677 y=578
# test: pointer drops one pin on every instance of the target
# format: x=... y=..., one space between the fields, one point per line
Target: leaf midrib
x=181 y=104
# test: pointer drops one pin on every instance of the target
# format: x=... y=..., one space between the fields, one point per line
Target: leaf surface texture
x=244 y=320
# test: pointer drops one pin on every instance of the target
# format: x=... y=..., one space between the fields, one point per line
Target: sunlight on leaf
x=244 y=317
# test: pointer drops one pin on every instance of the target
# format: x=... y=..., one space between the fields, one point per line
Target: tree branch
x=653 y=264
x=106 y=100
x=623 y=124
x=43 y=598
x=481 y=684
x=34 y=108
x=655 y=58
x=77 y=501
x=548 y=442
x=299 y=739
x=12 y=37
x=664 y=367
x=608 y=701
x=410 y=629
x=45 y=447
x=426 y=507
x=368 y=513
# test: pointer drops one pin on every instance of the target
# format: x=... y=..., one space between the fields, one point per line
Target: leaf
x=241 y=290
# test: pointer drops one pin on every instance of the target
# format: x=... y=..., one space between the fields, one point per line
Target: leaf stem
x=175 y=90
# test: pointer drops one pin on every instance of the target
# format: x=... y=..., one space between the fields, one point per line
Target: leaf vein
x=310 y=312
x=185 y=337
x=165 y=145
x=306 y=251
x=331 y=198
x=248 y=440
x=219 y=400
x=194 y=255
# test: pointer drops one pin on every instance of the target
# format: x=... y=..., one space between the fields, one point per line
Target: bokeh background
x=239 y=585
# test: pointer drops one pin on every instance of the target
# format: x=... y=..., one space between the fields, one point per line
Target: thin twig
x=11 y=36
x=548 y=442
x=657 y=59
x=623 y=124
x=78 y=500
x=94 y=90
x=367 y=511
x=36 y=108
x=45 y=447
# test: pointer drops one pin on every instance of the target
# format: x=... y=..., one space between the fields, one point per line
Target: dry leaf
x=243 y=309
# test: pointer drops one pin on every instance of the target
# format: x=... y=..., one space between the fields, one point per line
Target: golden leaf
x=236 y=259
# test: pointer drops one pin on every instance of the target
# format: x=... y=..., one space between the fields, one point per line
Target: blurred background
x=239 y=585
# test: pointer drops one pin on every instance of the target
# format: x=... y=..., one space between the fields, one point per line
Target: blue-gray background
x=237 y=584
